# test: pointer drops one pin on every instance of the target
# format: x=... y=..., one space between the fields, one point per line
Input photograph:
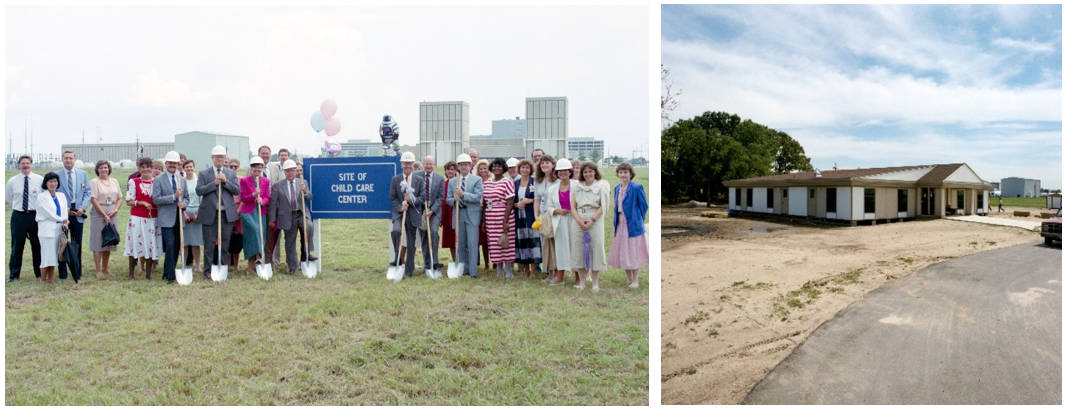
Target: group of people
x=173 y=210
x=542 y=214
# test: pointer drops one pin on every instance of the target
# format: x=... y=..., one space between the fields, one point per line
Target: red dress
x=448 y=234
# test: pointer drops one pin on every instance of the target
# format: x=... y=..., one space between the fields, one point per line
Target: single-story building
x=865 y=195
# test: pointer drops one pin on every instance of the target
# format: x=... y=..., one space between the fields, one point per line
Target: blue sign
x=351 y=188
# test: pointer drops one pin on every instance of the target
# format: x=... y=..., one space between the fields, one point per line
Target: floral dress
x=143 y=239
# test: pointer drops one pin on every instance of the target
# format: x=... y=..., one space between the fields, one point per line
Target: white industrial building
x=197 y=145
x=547 y=126
x=865 y=195
x=585 y=145
x=1020 y=187
x=116 y=152
x=444 y=129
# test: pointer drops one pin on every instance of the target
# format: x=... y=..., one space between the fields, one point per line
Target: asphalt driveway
x=980 y=329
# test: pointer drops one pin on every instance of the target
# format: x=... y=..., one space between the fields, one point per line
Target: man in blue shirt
x=74 y=183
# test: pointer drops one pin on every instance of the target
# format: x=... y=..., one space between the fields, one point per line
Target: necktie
x=292 y=195
x=70 y=183
x=463 y=189
x=25 y=193
x=174 y=183
x=427 y=194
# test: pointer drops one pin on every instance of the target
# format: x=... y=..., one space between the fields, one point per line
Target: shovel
x=218 y=271
x=432 y=271
x=263 y=270
x=184 y=275
x=455 y=269
x=307 y=267
x=396 y=273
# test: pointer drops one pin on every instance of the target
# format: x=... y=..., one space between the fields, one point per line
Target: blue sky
x=869 y=86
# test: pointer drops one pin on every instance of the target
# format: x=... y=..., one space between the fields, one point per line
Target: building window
x=902 y=200
x=771 y=198
x=737 y=196
x=960 y=198
x=812 y=193
x=749 y=197
x=785 y=193
x=869 y=200
x=832 y=200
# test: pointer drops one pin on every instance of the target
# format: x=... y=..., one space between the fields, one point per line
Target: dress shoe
x=312 y=258
x=291 y=272
x=171 y=281
x=473 y=276
x=207 y=275
x=10 y=279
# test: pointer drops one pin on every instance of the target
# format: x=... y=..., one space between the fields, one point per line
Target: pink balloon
x=333 y=126
x=328 y=108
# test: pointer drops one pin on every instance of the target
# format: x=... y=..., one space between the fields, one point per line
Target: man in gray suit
x=209 y=182
x=285 y=211
x=407 y=196
x=169 y=193
x=434 y=185
x=74 y=183
x=467 y=200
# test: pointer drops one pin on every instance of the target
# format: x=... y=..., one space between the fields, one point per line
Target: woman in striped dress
x=528 y=241
x=498 y=195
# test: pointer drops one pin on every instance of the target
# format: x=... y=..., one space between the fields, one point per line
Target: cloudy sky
x=261 y=72
x=877 y=86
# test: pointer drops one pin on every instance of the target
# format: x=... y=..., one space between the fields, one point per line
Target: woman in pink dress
x=498 y=195
x=630 y=250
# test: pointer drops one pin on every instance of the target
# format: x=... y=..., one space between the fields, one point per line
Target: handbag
x=110 y=235
x=63 y=240
x=546 y=227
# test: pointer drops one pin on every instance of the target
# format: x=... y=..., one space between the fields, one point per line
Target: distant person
x=106 y=201
x=466 y=198
x=1000 y=208
x=630 y=250
x=209 y=181
x=473 y=154
x=513 y=173
x=535 y=156
x=142 y=236
x=194 y=235
x=22 y=191
x=74 y=183
x=170 y=194
x=52 y=220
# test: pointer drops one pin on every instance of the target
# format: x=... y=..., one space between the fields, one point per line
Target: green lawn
x=346 y=337
x=1035 y=202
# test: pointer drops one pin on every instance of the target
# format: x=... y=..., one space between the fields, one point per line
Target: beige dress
x=108 y=195
x=587 y=200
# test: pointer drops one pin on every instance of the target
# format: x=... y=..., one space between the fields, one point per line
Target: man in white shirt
x=276 y=252
x=22 y=192
x=473 y=153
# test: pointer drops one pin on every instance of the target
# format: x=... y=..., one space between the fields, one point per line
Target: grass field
x=1034 y=202
x=346 y=337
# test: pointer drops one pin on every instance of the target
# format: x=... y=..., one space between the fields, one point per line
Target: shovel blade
x=184 y=276
x=455 y=270
x=218 y=273
x=264 y=271
x=309 y=269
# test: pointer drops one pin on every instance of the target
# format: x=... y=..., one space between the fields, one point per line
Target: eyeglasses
x=233 y=166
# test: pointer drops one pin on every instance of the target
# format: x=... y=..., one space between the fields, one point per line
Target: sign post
x=349 y=188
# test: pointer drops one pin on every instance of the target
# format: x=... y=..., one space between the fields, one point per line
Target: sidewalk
x=1023 y=224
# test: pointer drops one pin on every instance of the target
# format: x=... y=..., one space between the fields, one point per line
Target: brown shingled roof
x=846 y=173
x=940 y=172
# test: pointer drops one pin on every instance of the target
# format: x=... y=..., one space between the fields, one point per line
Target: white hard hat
x=408 y=157
x=563 y=164
x=512 y=162
x=173 y=156
x=256 y=160
x=218 y=150
x=463 y=158
x=290 y=164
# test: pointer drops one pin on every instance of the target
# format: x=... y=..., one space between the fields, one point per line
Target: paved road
x=981 y=329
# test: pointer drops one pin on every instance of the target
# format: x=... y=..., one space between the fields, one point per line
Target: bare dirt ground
x=739 y=299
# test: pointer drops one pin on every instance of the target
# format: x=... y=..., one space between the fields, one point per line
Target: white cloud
x=153 y=91
x=1030 y=46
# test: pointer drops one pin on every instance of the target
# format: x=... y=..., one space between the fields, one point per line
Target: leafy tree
x=791 y=156
x=582 y=156
x=596 y=156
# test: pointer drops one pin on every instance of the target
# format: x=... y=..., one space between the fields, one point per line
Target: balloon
x=332 y=146
x=318 y=121
x=333 y=126
x=328 y=108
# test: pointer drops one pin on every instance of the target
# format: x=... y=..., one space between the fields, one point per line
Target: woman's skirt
x=49 y=246
x=237 y=238
x=628 y=253
x=578 y=252
x=96 y=229
x=194 y=232
x=252 y=230
x=527 y=240
x=143 y=239
x=494 y=232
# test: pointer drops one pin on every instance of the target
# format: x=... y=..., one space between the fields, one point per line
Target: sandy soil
x=738 y=300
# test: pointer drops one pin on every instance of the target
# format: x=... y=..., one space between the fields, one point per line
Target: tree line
x=698 y=154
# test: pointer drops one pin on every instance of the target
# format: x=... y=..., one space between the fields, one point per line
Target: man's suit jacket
x=82 y=192
x=280 y=211
x=209 y=199
x=415 y=206
x=472 y=212
x=436 y=194
x=163 y=197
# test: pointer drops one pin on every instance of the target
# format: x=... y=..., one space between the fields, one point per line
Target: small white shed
x=1053 y=201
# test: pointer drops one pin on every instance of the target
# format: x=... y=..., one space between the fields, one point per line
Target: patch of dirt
x=738 y=299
